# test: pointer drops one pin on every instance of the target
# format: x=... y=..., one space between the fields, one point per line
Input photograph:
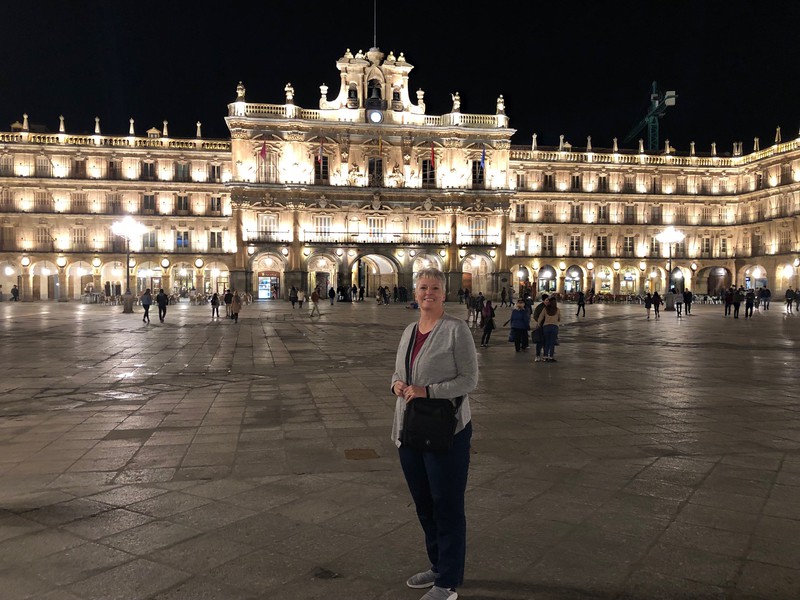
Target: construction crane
x=658 y=106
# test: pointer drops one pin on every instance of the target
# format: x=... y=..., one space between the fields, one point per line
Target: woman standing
x=648 y=304
x=442 y=364
x=236 y=307
x=293 y=296
x=549 y=320
x=656 y=304
x=301 y=297
x=146 y=299
x=488 y=323
x=520 y=325
x=215 y=305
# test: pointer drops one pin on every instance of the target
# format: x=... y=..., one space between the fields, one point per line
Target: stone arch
x=322 y=267
x=216 y=277
x=10 y=273
x=477 y=273
x=752 y=276
x=374 y=270
x=45 y=281
x=269 y=268
x=80 y=278
x=547 y=277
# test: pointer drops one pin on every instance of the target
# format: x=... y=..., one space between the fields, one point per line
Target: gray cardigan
x=446 y=364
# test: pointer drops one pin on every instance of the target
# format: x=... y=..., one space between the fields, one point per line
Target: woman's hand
x=399 y=387
x=414 y=391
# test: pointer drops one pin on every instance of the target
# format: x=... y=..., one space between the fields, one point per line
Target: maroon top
x=418 y=342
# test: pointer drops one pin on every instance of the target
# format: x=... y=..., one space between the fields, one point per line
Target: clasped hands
x=409 y=392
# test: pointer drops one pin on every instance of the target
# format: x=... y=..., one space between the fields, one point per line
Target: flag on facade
x=319 y=155
x=263 y=152
x=433 y=158
x=483 y=158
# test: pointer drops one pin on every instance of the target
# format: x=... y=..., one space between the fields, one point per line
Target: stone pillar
x=165 y=284
x=199 y=282
x=97 y=282
x=615 y=288
x=296 y=275
x=502 y=275
x=26 y=288
x=453 y=273
x=62 y=289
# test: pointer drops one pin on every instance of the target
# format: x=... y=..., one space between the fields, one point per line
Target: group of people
x=298 y=297
x=542 y=321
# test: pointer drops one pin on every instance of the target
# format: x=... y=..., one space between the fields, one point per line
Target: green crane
x=658 y=106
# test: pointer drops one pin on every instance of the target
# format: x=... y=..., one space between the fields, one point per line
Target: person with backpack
x=581 y=304
x=537 y=336
x=520 y=325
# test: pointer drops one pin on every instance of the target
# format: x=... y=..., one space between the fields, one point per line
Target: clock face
x=375 y=116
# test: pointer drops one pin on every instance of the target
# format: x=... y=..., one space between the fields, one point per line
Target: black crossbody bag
x=428 y=423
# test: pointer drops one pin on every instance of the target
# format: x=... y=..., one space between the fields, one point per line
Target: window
x=267 y=167
x=323 y=224
x=149 y=204
x=41 y=202
x=214 y=173
x=148 y=171
x=655 y=247
x=520 y=211
x=655 y=215
x=428 y=174
x=602 y=245
x=115 y=169
x=78 y=202
x=602 y=214
x=680 y=249
x=267 y=223
x=477 y=174
x=576 y=213
x=215 y=204
x=549 y=182
x=521 y=183
x=376 y=226
x=630 y=215
x=375 y=166
x=602 y=183
x=705 y=246
x=182 y=241
x=182 y=204
x=627 y=245
x=477 y=228
x=548 y=213
x=427 y=226
x=78 y=169
x=149 y=240
x=548 y=244
x=42 y=235
x=78 y=237
x=575 y=245
x=681 y=215
x=43 y=167
x=215 y=240
x=181 y=171
x=114 y=203
x=576 y=182
x=321 y=170
x=707 y=215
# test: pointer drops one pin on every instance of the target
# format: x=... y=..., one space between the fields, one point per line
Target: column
x=63 y=285
x=502 y=270
x=452 y=272
x=26 y=289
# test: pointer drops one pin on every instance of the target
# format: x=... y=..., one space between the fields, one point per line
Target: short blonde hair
x=432 y=273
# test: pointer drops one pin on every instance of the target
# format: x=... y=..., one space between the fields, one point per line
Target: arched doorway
x=521 y=280
x=45 y=284
x=322 y=273
x=476 y=274
x=677 y=280
x=573 y=280
x=148 y=275
x=605 y=280
x=755 y=277
x=183 y=279
x=547 y=279
x=9 y=277
x=79 y=276
x=373 y=271
x=628 y=281
x=718 y=279
x=112 y=278
x=268 y=270
x=216 y=278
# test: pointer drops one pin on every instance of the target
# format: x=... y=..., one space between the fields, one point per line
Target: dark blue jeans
x=437 y=482
x=550 y=333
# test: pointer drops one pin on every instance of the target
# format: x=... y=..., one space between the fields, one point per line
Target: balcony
x=266 y=236
x=479 y=240
x=344 y=237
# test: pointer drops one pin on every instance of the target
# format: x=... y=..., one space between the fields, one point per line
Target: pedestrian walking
x=361 y=291
x=549 y=320
x=738 y=296
x=503 y=296
x=215 y=305
x=228 y=298
x=14 y=293
x=510 y=296
x=687 y=301
x=162 y=300
x=657 y=304
x=315 y=303
x=236 y=307
x=332 y=295
x=749 y=301
x=678 y=296
x=293 y=296
x=488 y=323
x=581 y=304
x=766 y=296
x=146 y=299
x=520 y=325
x=648 y=304
x=536 y=335
x=301 y=297
x=790 y=296
x=436 y=362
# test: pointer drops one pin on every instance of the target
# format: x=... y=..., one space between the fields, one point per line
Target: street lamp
x=670 y=236
x=128 y=228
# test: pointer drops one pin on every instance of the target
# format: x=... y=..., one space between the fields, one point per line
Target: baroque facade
x=367 y=189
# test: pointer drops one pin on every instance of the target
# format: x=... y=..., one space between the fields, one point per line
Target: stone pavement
x=208 y=460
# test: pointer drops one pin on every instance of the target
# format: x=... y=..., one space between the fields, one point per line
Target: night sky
x=572 y=68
